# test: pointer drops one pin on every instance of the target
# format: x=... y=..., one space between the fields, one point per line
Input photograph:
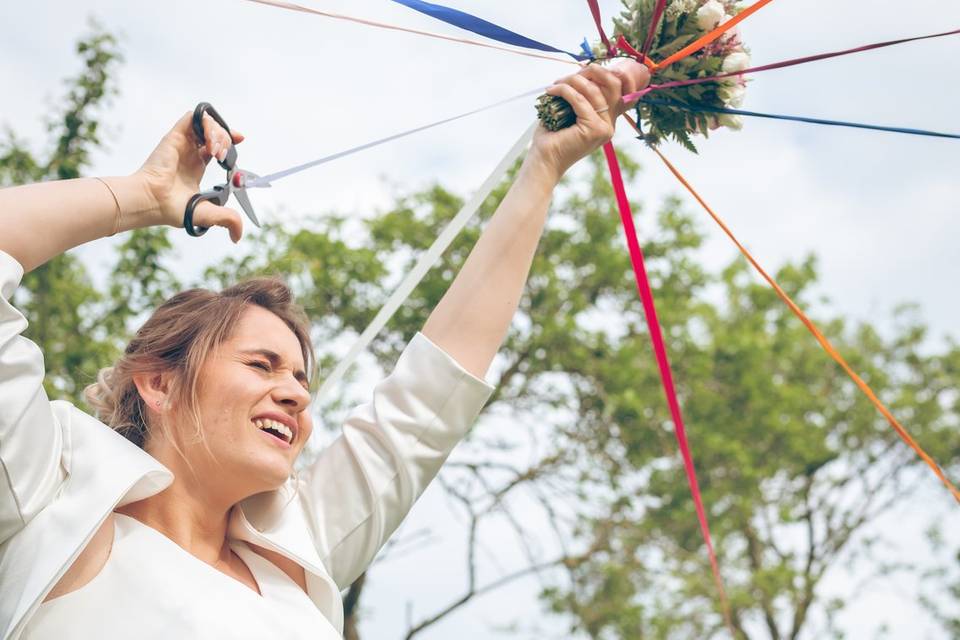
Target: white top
x=62 y=472
x=150 y=588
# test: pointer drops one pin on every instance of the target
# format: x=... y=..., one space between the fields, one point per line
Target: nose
x=290 y=393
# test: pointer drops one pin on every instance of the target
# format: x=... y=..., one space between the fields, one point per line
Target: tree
x=58 y=297
x=794 y=464
x=787 y=447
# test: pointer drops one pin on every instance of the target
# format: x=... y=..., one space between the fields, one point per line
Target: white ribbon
x=264 y=181
x=427 y=260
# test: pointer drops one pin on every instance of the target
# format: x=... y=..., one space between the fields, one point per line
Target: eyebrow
x=276 y=360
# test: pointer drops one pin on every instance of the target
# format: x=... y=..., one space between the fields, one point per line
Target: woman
x=183 y=520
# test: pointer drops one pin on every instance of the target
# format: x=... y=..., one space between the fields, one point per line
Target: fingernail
x=216 y=149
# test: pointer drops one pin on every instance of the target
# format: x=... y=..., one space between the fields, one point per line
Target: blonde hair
x=177 y=339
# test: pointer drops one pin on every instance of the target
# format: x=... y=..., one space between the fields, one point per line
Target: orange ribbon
x=829 y=348
x=706 y=39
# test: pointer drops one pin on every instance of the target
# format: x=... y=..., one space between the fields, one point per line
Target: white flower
x=730 y=121
x=733 y=94
x=679 y=8
x=736 y=61
x=710 y=14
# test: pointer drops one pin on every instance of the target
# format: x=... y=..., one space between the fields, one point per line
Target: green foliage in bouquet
x=683 y=22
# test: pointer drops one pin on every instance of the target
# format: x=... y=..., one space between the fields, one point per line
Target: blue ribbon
x=482 y=27
x=587 y=49
x=832 y=123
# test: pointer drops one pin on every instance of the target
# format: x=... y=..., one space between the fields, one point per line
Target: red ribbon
x=660 y=349
x=595 y=10
x=654 y=22
x=642 y=58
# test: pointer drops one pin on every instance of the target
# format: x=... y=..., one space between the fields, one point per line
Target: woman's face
x=253 y=403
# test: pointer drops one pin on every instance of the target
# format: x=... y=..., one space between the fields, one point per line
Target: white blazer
x=62 y=472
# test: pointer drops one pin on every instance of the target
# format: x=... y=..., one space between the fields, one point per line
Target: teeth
x=279 y=427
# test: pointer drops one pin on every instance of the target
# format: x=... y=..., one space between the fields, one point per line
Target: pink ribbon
x=630 y=97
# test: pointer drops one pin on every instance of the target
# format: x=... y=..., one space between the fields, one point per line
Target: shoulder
x=89 y=563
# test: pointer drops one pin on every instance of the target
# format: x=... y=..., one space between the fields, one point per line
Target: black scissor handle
x=230 y=160
x=218 y=195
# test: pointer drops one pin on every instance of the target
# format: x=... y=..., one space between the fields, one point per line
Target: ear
x=153 y=389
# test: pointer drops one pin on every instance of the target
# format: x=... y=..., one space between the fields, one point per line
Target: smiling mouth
x=276 y=429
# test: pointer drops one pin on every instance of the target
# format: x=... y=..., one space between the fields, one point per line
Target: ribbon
x=660 y=350
x=663 y=363
x=780 y=65
x=595 y=12
x=642 y=58
x=427 y=260
x=654 y=23
x=264 y=181
x=695 y=108
x=382 y=25
x=812 y=328
x=707 y=38
x=482 y=27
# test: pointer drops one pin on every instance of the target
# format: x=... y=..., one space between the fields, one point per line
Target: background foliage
x=794 y=464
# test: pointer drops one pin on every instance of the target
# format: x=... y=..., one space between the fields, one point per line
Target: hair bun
x=101 y=395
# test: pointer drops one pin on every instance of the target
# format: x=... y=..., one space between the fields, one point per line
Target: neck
x=194 y=520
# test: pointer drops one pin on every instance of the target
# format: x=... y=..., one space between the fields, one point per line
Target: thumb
x=208 y=214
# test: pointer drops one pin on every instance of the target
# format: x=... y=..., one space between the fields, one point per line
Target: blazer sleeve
x=31 y=440
x=362 y=486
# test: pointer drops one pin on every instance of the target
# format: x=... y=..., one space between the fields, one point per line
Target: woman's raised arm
x=471 y=321
x=40 y=221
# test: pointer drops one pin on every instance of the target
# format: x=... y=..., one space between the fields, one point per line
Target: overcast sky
x=879 y=210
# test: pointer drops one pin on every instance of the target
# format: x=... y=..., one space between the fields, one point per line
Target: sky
x=878 y=210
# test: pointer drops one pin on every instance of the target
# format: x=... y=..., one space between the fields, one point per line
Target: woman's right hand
x=596 y=97
x=173 y=171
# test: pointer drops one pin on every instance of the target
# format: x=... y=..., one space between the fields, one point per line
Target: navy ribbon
x=482 y=27
x=833 y=123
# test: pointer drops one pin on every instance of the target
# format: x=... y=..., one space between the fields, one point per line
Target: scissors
x=236 y=178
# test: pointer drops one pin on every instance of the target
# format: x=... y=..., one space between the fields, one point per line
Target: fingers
x=633 y=76
x=217 y=139
x=208 y=214
x=591 y=101
x=592 y=92
x=604 y=88
x=586 y=113
x=609 y=84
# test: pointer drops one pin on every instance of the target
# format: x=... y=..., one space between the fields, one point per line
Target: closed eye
x=257 y=364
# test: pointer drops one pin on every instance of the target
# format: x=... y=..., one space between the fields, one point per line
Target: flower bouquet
x=683 y=22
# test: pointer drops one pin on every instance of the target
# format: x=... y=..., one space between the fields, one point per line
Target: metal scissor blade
x=252 y=180
x=244 y=201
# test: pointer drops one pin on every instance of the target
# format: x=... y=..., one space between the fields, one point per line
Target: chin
x=269 y=475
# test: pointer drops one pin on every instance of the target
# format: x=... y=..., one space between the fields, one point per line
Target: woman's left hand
x=174 y=169
x=595 y=95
